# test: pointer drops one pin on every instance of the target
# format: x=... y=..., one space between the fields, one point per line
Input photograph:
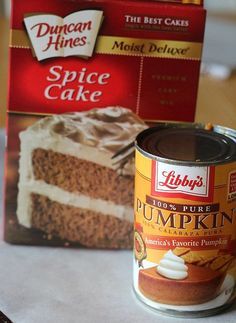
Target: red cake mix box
x=85 y=77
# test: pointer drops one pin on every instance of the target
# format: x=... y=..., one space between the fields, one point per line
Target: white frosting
x=61 y=196
x=93 y=135
x=172 y=266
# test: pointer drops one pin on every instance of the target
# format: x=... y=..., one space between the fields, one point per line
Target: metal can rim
x=225 y=131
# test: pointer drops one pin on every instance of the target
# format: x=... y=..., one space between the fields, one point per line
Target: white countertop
x=55 y=285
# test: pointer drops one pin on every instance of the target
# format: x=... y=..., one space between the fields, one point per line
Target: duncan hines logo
x=182 y=181
x=74 y=35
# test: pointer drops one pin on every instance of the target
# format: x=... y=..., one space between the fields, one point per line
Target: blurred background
x=217 y=90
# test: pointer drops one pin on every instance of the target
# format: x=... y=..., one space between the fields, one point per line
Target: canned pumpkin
x=185 y=218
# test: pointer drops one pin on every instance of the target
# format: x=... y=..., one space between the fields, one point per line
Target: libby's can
x=185 y=218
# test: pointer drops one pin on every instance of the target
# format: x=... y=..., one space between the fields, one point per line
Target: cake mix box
x=85 y=78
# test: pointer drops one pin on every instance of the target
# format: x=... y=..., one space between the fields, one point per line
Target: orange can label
x=185 y=234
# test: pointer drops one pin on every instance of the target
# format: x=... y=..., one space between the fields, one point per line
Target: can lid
x=187 y=145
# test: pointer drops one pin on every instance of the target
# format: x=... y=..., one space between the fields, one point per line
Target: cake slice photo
x=69 y=185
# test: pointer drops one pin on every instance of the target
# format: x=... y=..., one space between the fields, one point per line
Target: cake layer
x=79 y=176
x=58 y=195
x=93 y=135
x=89 y=228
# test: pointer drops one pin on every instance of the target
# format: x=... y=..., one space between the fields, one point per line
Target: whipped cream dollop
x=172 y=266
